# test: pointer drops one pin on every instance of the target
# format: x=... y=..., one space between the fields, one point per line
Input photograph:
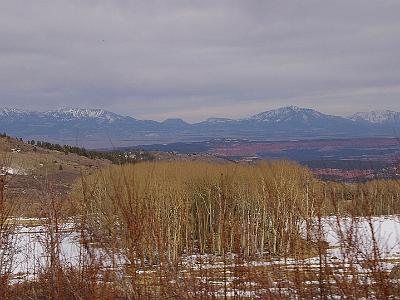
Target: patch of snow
x=12 y=171
x=78 y=113
x=384 y=231
x=288 y=113
x=31 y=255
x=28 y=244
x=377 y=117
x=8 y=112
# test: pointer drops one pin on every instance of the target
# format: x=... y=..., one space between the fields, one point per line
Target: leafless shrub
x=188 y=230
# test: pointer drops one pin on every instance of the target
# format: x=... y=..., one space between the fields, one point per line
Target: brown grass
x=196 y=230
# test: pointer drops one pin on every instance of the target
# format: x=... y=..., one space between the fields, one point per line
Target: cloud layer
x=195 y=59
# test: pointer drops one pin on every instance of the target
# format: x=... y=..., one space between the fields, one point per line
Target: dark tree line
x=116 y=157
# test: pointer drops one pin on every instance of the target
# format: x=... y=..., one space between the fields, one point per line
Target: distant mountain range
x=97 y=128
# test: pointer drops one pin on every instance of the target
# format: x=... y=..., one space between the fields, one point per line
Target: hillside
x=33 y=172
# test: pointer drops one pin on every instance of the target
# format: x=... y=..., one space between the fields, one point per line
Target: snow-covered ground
x=12 y=171
x=26 y=254
x=379 y=233
x=29 y=244
x=344 y=235
x=27 y=249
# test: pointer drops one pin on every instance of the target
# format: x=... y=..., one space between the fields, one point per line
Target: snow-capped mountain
x=290 y=113
x=78 y=113
x=65 y=114
x=377 y=117
x=12 y=112
x=101 y=128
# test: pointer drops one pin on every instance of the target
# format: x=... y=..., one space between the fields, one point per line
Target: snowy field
x=373 y=237
x=384 y=229
x=26 y=255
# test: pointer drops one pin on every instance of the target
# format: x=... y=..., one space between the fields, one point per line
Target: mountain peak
x=174 y=121
x=82 y=113
x=287 y=113
x=6 y=111
x=377 y=116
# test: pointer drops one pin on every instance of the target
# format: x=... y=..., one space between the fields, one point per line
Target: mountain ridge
x=377 y=116
x=95 y=127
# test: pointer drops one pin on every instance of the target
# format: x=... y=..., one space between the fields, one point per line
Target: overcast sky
x=198 y=59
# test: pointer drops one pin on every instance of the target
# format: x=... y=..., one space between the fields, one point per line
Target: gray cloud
x=195 y=59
